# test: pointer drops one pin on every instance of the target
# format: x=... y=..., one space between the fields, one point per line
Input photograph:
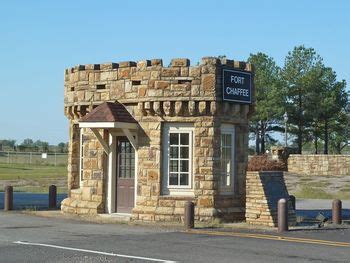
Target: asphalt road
x=26 y=238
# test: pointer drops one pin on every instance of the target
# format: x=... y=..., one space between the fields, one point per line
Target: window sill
x=179 y=192
x=176 y=197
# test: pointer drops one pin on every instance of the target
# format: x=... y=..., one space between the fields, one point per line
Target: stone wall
x=88 y=198
x=319 y=165
x=155 y=95
x=264 y=189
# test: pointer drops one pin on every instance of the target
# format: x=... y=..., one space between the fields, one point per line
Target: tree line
x=315 y=101
x=29 y=145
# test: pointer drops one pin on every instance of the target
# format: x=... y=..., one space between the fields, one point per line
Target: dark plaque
x=237 y=86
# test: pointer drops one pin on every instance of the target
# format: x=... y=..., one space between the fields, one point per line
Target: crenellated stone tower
x=155 y=96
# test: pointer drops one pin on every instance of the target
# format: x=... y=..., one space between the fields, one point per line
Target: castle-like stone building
x=144 y=139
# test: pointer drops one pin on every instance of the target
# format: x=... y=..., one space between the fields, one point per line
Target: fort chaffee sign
x=144 y=138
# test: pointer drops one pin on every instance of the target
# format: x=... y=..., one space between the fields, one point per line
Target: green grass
x=319 y=184
x=26 y=171
x=309 y=192
x=33 y=178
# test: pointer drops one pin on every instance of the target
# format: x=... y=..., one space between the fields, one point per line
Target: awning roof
x=109 y=112
x=109 y=115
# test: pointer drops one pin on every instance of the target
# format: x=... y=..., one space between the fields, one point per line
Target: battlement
x=143 y=64
x=147 y=83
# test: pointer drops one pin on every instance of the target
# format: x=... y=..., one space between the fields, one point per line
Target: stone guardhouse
x=144 y=139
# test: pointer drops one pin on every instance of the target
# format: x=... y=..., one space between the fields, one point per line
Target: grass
x=33 y=178
x=26 y=171
x=320 y=184
x=310 y=192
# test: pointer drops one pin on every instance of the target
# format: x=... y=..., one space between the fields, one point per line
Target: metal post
x=285 y=135
x=285 y=118
x=52 y=196
x=282 y=215
x=30 y=158
x=292 y=200
x=55 y=159
x=8 y=202
x=189 y=215
x=336 y=212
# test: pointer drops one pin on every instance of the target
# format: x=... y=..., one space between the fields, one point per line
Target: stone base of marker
x=264 y=189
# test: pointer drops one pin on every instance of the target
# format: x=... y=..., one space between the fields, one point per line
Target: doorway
x=125 y=176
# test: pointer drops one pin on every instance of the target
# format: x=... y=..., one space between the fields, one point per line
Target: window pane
x=228 y=153
x=122 y=147
x=174 y=152
x=174 y=138
x=174 y=166
x=223 y=179
x=122 y=172
x=184 y=166
x=173 y=179
x=223 y=140
x=183 y=179
x=228 y=180
x=184 y=139
x=184 y=152
x=228 y=139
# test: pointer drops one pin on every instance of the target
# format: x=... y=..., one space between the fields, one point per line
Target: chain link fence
x=35 y=158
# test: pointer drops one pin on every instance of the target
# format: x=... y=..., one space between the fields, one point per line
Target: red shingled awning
x=112 y=117
x=109 y=112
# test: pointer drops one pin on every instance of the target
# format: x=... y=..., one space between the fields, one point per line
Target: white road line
x=91 y=251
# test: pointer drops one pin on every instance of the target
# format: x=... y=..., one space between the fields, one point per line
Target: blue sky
x=39 y=39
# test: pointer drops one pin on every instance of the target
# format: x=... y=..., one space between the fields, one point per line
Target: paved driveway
x=26 y=238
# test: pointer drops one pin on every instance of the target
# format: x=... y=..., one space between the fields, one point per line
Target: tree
x=44 y=146
x=340 y=135
x=298 y=65
x=269 y=99
x=8 y=143
x=27 y=142
x=62 y=147
x=334 y=101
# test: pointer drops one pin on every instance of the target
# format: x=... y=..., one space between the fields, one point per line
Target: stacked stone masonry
x=264 y=189
x=154 y=95
x=319 y=165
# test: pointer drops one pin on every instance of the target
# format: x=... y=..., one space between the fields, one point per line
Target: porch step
x=115 y=217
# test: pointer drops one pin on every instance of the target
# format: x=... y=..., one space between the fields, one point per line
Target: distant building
x=144 y=138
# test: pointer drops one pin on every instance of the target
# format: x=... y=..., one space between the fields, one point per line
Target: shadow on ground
x=312 y=213
x=37 y=201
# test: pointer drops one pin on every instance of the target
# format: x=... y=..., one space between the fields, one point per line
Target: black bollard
x=292 y=200
x=8 y=202
x=52 y=196
x=336 y=212
x=189 y=215
x=282 y=215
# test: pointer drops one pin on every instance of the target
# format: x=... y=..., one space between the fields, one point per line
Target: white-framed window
x=177 y=158
x=81 y=157
x=227 y=147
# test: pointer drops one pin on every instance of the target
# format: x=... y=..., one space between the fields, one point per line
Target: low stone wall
x=264 y=189
x=319 y=164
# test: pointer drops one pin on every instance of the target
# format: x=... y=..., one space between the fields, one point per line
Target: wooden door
x=125 y=176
